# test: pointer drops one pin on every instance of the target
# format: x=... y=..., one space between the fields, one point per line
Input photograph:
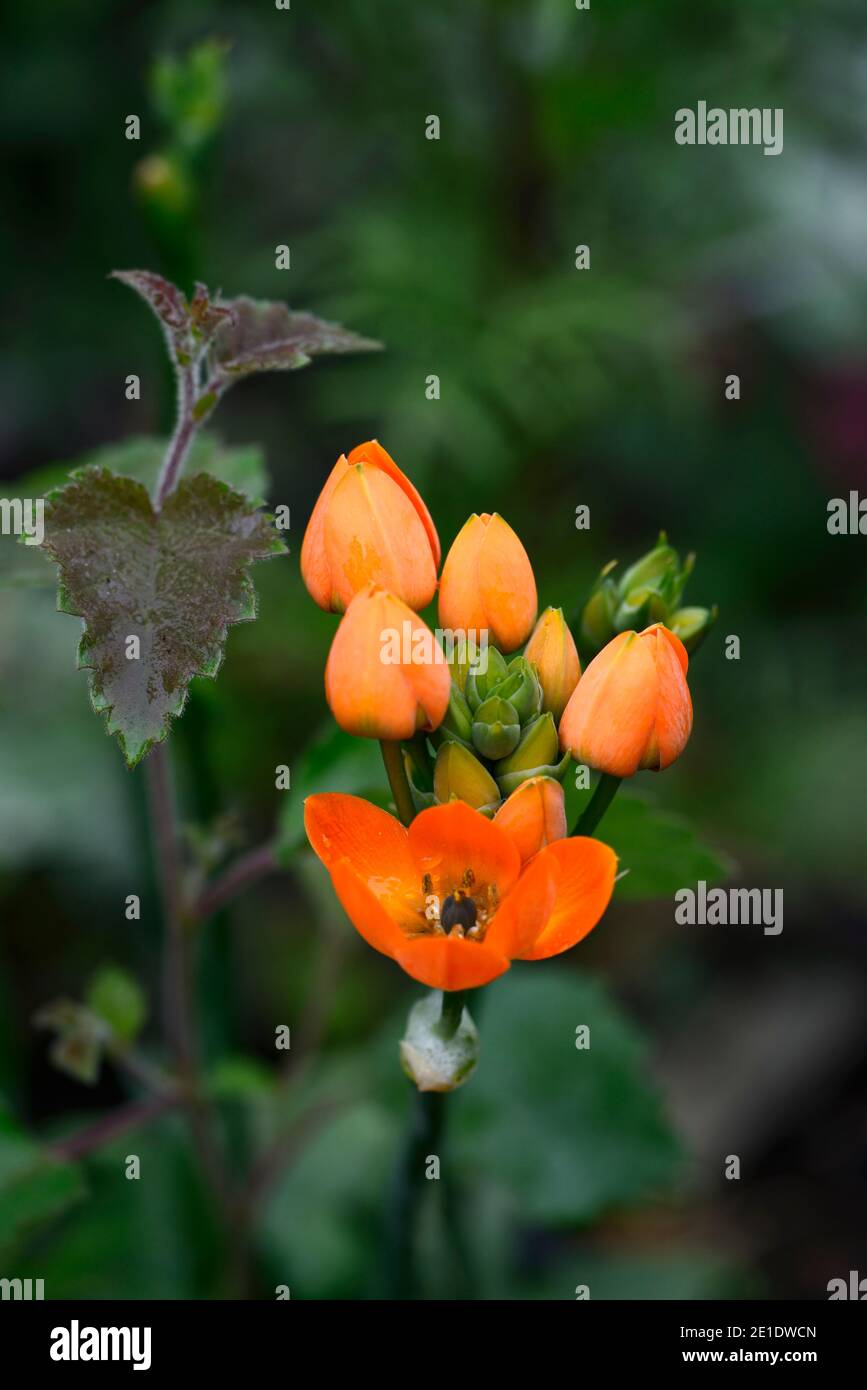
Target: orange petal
x=449 y=962
x=315 y=567
x=507 y=585
x=587 y=869
x=674 y=704
x=340 y=826
x=527 y=909
x=348 y=827
x=365 y=911
x=373 y=452
x=552 y=651
x=673 y=640
x=534 y=815
x=446 y=841
x=610 y=717
x=373 y=534
x=372 y=691
x=460 y=605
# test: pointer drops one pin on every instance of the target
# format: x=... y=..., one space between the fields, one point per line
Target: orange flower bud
x=487 y=583
x=631 y=709
x=385 y=677
x=552 y=651
x=369 y=526
x=534 y=816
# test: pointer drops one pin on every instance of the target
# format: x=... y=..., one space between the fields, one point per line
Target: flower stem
x=182 y=438
x=392 y=756
x=606 y=790
x=111 y=1126
x=249 y=868
x=452 y=1012
x=423 y=1140
x=178 y=985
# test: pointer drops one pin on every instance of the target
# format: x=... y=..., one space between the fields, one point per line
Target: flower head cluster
x=485 y=873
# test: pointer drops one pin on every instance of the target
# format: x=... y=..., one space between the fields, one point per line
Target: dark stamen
x=458 y=912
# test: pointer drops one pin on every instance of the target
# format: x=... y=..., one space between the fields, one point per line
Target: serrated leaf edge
x=248 y=612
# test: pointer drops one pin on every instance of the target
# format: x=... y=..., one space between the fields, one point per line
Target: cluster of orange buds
x=371 y=552
x=482 y=730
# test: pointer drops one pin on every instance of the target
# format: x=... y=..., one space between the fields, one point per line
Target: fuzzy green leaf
x=175 y=580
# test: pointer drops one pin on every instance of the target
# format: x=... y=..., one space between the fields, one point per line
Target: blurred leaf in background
x=556 y=386
x=35 y=1187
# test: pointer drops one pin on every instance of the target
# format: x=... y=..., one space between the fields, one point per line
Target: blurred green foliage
x=558 y=387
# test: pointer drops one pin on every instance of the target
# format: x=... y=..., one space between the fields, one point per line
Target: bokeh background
x=558 y=387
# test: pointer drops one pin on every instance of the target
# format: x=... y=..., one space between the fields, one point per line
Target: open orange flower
x=385 y=676
x=448 y=898
x=631 y=709
x=369 y=525
x=487 y=583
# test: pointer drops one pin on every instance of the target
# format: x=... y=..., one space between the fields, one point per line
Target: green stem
x=452 y=1012
x=606 y=790
x=423 y=1139
x=181 y=440
x=113 y=1125
x=392 y=757
x=249 y=868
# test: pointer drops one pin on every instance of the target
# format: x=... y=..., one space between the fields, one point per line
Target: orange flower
x=385 y=676
x=552 y=651
x=448 y=898
x=487 y=583
x=534 y=815
x=369 y=525
x=631 y=709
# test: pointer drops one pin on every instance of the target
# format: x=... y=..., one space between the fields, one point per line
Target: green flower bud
x=692 y=625
x=434 y=1057
x=496 y=728
x=416 y=763
x=458 y=775
x=480 y=682
x=539 y=747
x=639 y=609
x=458 y=721
x=522 y=688
x=657 y=570
x=597 y=615
x=464 y=656
x=163 y=186
x=510 y=781
x=677 y=594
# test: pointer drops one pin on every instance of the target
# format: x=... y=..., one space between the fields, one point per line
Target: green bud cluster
x=649 y=591
x=495 y=735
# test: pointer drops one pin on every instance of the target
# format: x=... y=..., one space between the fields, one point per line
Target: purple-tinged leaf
x=174 y=581
x=167 y=301
x=267 y=336
x=208 y=314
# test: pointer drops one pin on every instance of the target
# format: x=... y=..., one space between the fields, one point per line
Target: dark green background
x=558 y=387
